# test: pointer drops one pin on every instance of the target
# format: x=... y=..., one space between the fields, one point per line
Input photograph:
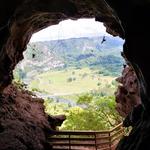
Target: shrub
x=98 y=84
x=69 y=79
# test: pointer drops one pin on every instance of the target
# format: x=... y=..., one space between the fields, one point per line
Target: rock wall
x=23 y=122
x=133 y=16
x=129 y=105
x=126 y=18
x=128 y=92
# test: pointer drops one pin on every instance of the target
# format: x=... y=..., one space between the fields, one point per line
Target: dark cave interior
x=20 y=19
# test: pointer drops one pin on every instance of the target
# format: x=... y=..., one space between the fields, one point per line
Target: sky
x=71 y=29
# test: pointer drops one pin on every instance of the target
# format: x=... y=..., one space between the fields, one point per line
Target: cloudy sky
x=71 y=29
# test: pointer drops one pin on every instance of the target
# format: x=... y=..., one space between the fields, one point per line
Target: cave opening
x=23 y=122
x=73 y=67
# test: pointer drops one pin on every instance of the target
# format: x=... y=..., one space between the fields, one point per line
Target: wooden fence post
x=95 y=141
x=69 y=143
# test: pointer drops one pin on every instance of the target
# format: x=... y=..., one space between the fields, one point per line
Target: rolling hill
x=75 y=52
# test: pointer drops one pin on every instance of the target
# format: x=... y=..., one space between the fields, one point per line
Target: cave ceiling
x=129 y=19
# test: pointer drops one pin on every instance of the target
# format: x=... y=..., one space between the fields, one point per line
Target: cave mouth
x=20 y=19
x=59 y=61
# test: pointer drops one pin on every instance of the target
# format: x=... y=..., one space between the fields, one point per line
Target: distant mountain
x=83 y=45
x=74 y=52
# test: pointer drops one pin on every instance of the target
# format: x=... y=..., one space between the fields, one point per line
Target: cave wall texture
x=129 y=19
x=127 y=95
x=24 y=125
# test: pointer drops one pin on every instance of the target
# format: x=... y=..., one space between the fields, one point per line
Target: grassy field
x=71 y=81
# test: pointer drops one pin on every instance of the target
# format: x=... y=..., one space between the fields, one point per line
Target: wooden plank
x=117 y=138
x=103 y=138
x=95 y=139
x=114 y=145
x=81 y=142
x=79 y=139
x=116 y=128
x=67 y=132
x=78 y=132
x=105 y=148
x=117 y=132
x=73 y=144
x=72 y=139
x=103 y=143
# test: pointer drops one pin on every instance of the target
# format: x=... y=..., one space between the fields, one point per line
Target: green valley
x=72 y=81
x=75 y=77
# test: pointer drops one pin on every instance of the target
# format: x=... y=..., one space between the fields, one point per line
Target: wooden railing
x=86 y=140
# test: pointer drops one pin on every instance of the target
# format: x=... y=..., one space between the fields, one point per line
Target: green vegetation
x=72 y=81
x=76 y=77
x=72 y=53
x=91 y=113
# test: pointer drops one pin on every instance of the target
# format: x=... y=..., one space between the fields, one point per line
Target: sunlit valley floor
x=75 y=78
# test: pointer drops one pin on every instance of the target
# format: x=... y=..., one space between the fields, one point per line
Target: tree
x=92 y=114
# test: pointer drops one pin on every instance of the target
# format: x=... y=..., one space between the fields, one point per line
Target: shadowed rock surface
x=129 y=106
x=23 y=122
x=127 y=94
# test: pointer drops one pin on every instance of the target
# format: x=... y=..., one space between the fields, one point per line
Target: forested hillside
x=76 y=77
x=77 y=52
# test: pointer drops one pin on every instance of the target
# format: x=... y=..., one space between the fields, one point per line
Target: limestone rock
x=23 y=122
x=128 y=92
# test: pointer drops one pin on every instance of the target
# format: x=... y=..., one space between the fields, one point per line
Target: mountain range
x=99 y=51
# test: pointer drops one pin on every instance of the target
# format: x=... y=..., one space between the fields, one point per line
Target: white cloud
x=70 y=29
